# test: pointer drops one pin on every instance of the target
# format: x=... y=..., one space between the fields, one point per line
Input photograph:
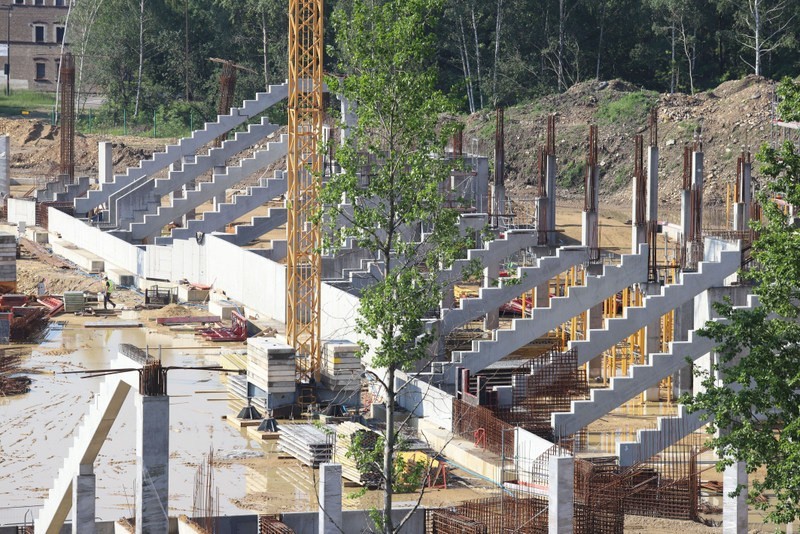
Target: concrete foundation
x=152 y=464
x=83 y=500
x=734 y=509
x=105 y=163
x=560 y=507
x=330 y=499
x=5 y=166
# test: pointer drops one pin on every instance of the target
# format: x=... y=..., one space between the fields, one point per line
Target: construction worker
x=107 y=287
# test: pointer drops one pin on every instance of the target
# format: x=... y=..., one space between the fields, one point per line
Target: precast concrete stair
x=59 y=191
x=142 y=196
x=187 y=146
x=623 y=388
x=493 y=251
x=258 y=226
x=527 y=278
x=214 y=220
x=89 y=437
x=668 y=431
x=654 y=306
x=614 y=278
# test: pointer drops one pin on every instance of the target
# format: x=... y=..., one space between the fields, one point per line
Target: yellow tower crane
x=303 y=262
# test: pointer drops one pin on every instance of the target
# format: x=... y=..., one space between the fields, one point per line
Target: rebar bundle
x=67 y=131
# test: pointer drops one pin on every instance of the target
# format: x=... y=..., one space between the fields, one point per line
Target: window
x=41 y=70
x=38 y=33
x=19 y=2
x=59 y=34
x=59 y=3
x=38 y=2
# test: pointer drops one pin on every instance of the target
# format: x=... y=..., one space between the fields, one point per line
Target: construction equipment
x=303 y=262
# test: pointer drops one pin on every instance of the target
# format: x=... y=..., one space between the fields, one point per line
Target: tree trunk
x=477 y=56
x=465 y=66
x=388 y=453
x=757 y=34
x=265 y=45
x=600 y=39
x=496 y=50
x=560 y=52
x=141 y=58
x=673 y=77
x=186 y=47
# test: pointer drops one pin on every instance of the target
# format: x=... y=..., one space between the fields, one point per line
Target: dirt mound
x=173 y=310
x=733 y=116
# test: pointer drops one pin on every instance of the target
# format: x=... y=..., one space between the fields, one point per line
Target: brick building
x=36 y=33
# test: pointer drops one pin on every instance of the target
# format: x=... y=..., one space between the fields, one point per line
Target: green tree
x=756 y=404
x=386 y=53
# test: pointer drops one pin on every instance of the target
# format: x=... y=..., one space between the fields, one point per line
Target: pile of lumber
x=345 y=435
x=310 y=444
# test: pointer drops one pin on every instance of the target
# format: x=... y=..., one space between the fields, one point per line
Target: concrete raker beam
x=709 y=274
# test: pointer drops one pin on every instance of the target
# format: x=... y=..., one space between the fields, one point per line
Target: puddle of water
x=36 y=429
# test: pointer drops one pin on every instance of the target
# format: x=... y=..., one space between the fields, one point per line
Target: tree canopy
x=752 y=394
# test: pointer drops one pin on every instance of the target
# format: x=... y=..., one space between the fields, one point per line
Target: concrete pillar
x=560 y=495
x=498 y=203
x=652 y=183
x=348 y=118
x=652 y=341
x=638 y=231
x=220 y=197
x=685 y=214
x=740 y=217
x=734 y=509
x=551 y=171
x=589 y=229
x=697 y=170
x=152 y=464
x=83 y=501
x=330 y=499
x=491 y=273
x=5 y=165
x=595 y=320
x=541 y=218
x=105 y=163
x=189 y=215
x=682 y=323
x=543 y=295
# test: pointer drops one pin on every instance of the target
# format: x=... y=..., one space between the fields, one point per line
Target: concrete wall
x=353 y=521
x=22 y=210
x=425 y=400
x=527 y=448
x=258 y=283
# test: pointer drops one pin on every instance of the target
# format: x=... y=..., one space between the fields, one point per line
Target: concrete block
x=734 y=509
x=83 y=259
x=222 y=308
x=330 y=499
x=187 y=293
x=121 y=277
x=560 y=496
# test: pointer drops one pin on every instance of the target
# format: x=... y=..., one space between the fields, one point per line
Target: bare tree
x=763 y=29
x=141 y=58
x=498 y=26
x=477 y=55
x=465 y=67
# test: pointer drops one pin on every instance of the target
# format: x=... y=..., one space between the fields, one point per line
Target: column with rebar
x=589 y=233
x=498 y=185
x=67 y=130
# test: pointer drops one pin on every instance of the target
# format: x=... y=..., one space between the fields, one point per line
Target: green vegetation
x=37 y=104
x=631 y=108
x=571 y=174
x=623 y=175
x=755 y=407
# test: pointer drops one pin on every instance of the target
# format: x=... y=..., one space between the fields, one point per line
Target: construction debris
x=10 y=382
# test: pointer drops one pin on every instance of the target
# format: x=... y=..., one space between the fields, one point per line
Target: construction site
x=224 y=386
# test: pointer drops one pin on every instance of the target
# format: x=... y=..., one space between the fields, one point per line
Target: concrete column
x=83 y=501
x=221 y=197
x=551 y=198
x=152 y=464
x=189 y=215
x=734 y=509
x=652 y=341
x=739 y=217
x=638 y=231
x=682 y=323
x=498 y=203
x=589 y=228
x=595 y=320
x=348 y=117
x=697 y=169
x=541 y=217
x=491 y=273
x=105 y=163
x=747 y=181
x=5 y=165
x=685 y=214
x=543 y=296
x=652 y=183
x=560 y=495
x=330 y=499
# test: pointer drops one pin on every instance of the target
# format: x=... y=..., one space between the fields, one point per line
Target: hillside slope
x=734 y=116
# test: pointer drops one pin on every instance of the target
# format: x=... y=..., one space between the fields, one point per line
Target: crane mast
x=303 y=261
